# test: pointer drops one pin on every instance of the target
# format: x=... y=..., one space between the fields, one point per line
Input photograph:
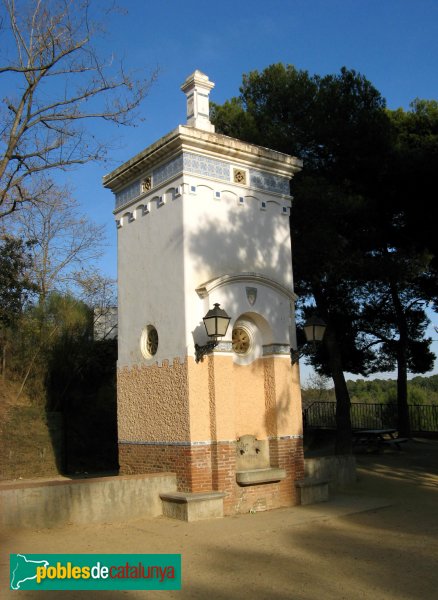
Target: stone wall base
x=212 y=467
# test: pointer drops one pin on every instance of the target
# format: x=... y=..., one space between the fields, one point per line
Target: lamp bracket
x=295 y=355
x=201 y=351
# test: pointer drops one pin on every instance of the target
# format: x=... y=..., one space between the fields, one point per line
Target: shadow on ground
x=303 y=553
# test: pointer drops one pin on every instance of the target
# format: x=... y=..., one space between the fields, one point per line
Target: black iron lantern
x=314 y=330
x=216 y=323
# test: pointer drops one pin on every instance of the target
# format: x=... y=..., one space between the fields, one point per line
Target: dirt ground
x=376 y=540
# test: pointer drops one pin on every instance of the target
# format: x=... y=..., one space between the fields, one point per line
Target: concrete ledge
x=311 y=482
x=255 y=476
x=189 y=506
x=313 y=490
x=339 y=469
x=52 y=503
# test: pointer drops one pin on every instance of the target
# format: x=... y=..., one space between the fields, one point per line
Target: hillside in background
x=421 y=390
x=70 y=426
x=28 y=438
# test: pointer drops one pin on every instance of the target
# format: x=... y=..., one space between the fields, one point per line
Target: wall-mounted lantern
x=216 y=323
x=314 y=330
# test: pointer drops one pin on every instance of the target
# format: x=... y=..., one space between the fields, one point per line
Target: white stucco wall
x=151 y=278
x=171 y=243
x=224 y=236
x=166 y=250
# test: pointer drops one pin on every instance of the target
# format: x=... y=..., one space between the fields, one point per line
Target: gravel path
x=377 y=541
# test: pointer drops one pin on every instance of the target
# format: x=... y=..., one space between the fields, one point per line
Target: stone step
x=193 y=506
x=313 y=490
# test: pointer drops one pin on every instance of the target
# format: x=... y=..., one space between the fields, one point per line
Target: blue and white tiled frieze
x=269 y=182
x=128 y=193
x=170 y=169
x=276 y=349
x=207 y=167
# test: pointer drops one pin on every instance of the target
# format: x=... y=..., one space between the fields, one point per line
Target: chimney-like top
x=197 y=88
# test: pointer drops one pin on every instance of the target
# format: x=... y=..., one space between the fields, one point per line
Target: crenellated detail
x=160 y=197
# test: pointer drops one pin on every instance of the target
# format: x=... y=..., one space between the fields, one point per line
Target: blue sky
x=394 y=43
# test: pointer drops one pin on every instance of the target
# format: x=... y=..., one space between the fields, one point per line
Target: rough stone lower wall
x=209 y=467
x=145 y=415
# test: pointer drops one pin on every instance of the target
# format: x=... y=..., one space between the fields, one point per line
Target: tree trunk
x=3 y=345
x=343 y=443
x=404 y=422
x=4 y=361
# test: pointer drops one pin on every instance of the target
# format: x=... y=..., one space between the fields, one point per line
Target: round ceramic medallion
x=241 y=340
x=149 y=341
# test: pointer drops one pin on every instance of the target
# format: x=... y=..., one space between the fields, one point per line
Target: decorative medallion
x=146 y=184
x=241 y=340
x=239 y=176
x=149 y=341
x=251 y=294
x=152 y=341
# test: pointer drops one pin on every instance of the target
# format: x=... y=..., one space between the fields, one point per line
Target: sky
x=394 y=43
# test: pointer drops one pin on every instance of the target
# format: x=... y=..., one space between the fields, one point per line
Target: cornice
x=205 y=143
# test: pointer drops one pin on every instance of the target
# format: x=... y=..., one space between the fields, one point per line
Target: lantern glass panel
x=211 y=326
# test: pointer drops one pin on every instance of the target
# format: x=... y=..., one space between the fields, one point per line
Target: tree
x=364 y=253
x=55 y=317
x=338 y=125
x=394 y=320
x=99 y=292
x=54 y=81
x=401 y=263
x=412 y=174
x=15 y=286
x=64 y=246
x=64 y=242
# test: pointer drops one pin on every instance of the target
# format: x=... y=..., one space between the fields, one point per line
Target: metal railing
x=322 y=415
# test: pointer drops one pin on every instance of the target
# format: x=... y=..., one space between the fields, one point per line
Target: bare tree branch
x=42 y=123
x=64 y=241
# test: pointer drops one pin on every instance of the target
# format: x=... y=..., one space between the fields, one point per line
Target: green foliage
x=338 y=125
x=67 y=373
x=41 y=326
x=317 y=388
x=411 y=176
x=364 y=257
x=421 y=390
x=15 y=284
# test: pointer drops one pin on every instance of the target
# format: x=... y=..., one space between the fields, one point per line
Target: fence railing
x=322 y=415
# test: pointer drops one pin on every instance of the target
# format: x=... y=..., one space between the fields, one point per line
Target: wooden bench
x=374 y=439
x=395 y=442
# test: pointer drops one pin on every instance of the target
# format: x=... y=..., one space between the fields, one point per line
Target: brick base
x=207 y=467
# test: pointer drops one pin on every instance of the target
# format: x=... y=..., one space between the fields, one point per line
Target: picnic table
x=376 y=439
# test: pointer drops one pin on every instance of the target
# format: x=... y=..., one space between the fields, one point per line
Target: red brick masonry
x=207 y=467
